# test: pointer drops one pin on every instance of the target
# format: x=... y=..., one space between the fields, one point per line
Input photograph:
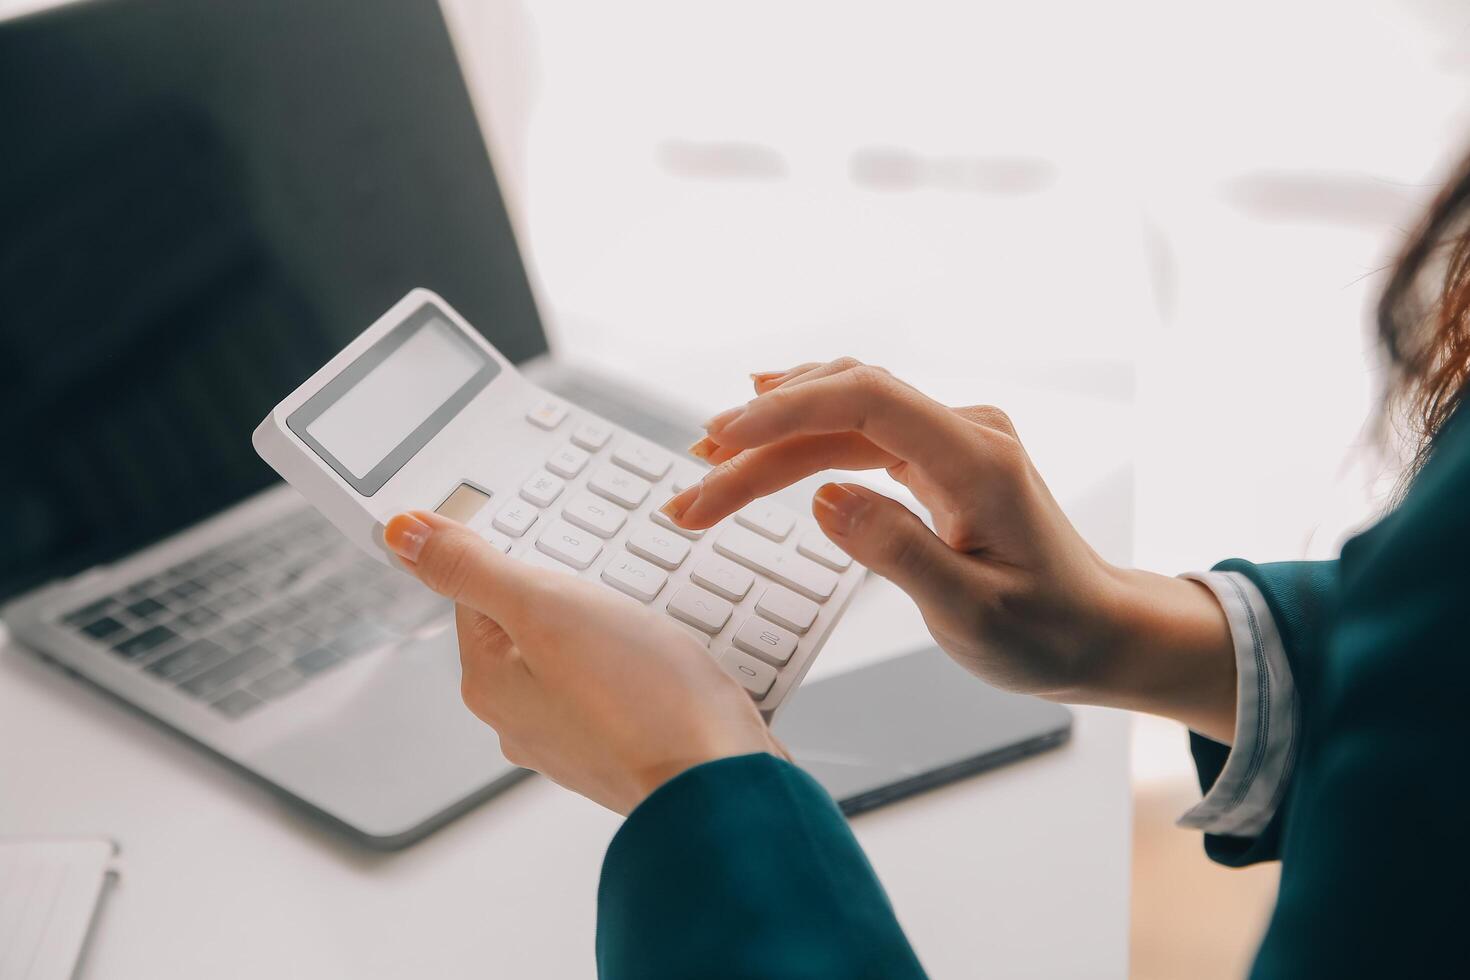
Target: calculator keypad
x=658 y=546
x=751 y=590
x=592 y=513
x=701 y=609
x=542 y=489
x=570 y=544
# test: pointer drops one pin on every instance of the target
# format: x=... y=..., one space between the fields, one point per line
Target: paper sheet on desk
x=49 y=893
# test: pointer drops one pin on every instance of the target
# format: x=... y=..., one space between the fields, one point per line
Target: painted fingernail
x=718 y=422
x=407 y=535
x=703 y=448
x=838 y=508
x=679 y=504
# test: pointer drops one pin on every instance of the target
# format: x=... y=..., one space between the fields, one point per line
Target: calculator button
x=497 y=540
x=754 y=676
x=723 y=578
x=766 y=640
x=660 y=547
x=594 y=514
x=787 y=608
x=767 y=519
x=542 y=489
x=567 y=461
x=534 y=557
x=619 y=486
x=700 y=609
x=659 y=517
x=635 y=576
x=769 y=558
x=700 y=635
x=651 y=464
x=816 y=546
x=591 y=436
x=548 y=414
x=515 y=517
x=569 y=544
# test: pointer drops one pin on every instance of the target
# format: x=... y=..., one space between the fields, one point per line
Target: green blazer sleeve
x=1299 y=594
x=1371 y=832
x=744 y=867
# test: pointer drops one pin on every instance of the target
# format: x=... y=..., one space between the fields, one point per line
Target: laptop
x=202 y=202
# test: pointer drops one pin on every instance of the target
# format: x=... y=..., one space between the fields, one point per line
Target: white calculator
x=419 y=412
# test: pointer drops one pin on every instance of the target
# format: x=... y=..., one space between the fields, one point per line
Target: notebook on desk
x=50 y=890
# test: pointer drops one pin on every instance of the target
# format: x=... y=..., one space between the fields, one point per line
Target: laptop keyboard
x=259 y=616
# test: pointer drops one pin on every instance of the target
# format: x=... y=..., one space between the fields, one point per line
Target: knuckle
x=730 y=468
x=870 y=378
x=995 y=418
x=846 y=363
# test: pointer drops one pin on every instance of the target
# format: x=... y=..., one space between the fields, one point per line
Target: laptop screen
x=200 y=202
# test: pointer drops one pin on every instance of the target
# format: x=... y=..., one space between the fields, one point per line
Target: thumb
x=459 y=564
x=884 y=535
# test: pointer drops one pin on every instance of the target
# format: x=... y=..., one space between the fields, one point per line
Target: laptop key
x=190 y=659
x=236 y=703
x=199 y=617
x=101 y=629
x=276 y=683
x=294 y=640
x=186 y=589
x=146 y=608
x=89 y=612
x=149 y=639
x=218 y=677
x=359 y=638
x=242 y=633
x=318 y=660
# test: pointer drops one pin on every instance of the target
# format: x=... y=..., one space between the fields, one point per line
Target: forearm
x=1168 y=651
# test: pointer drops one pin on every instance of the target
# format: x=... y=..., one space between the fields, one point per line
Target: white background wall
x=1259 y=161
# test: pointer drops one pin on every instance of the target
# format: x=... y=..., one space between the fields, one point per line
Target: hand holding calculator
x=419 y=412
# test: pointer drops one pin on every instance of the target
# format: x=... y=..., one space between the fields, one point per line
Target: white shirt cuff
x=1250 y=787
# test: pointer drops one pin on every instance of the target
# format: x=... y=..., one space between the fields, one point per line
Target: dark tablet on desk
x=911 y=723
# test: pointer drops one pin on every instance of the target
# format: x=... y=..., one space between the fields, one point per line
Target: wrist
x=648 y=779
x=1166 y=650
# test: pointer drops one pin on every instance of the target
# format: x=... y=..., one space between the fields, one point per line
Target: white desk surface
x=1020 y=872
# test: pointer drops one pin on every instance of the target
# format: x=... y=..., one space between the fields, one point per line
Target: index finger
x=459 y=564
x=895 y=417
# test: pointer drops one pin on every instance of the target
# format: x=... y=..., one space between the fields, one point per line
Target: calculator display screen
x=385 y=406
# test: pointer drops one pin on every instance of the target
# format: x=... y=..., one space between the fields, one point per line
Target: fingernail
x=718 y=422
x=838 y=508
x=761 y=377
x=676 y=505
x=703 y=448
x=407 y=535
